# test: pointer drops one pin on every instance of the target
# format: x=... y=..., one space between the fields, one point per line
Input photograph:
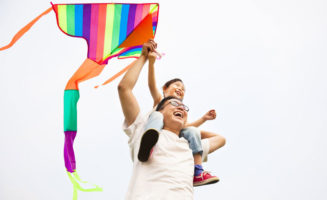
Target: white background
x=260 y=64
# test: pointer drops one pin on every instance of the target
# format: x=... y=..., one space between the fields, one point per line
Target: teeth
x=178 y=114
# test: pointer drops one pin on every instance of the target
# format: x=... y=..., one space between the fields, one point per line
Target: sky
x=260 y=64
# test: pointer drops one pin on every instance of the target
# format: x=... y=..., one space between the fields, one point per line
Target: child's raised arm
x=155 y=93
x=210 y=115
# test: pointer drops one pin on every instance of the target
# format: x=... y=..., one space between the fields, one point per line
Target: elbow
x=222 y=140
x=121 y=87
x=124 y=88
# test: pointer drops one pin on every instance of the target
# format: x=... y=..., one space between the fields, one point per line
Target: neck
x=172 y=130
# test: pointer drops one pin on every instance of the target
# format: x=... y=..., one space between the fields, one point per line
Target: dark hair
x=168 y=83
x=163 y=101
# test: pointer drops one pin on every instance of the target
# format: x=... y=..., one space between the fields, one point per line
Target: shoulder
x=135 y=126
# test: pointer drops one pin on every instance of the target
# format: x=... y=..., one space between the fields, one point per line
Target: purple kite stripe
x=131 y=18
x=86 y=21
x=69 y=154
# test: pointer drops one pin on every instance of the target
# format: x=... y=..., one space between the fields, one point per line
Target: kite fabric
x=110 y=30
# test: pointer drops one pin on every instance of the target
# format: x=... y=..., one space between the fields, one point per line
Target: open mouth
x=178 y=93
x=178 y=114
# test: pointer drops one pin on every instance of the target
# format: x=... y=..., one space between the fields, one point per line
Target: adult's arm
x=128 y=101
x=216 y=141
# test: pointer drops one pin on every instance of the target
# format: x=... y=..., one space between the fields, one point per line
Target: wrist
x=143 y=57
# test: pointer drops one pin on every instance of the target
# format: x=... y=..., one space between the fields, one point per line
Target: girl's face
x=175 y=89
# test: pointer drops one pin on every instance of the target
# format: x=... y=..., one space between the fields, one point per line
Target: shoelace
x=204 y=173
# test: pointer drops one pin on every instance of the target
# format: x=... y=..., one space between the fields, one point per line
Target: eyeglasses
x=177 y=104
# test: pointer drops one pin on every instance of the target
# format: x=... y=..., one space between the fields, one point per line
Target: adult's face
x=175 y=117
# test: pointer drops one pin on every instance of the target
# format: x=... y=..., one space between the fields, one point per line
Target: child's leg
x=150 y=136
x=193 y=136
x=201 y=177
x=155 y=121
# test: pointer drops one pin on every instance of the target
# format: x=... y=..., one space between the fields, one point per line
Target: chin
x=178 y=96
x=180 y=122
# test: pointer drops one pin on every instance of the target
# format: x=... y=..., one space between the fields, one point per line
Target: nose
x=181 y=108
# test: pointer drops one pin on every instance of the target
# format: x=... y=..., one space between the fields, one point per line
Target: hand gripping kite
x=110 y=30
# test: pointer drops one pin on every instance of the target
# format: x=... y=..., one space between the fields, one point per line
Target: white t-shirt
x=168 y=174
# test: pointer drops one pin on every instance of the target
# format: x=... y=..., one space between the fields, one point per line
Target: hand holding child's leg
x=201 y=177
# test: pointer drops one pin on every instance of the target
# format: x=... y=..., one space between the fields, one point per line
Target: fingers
x=213 y=114
x=154 y=47
x=157 y=54
x=152 y=53
x=146 y=49
x=151 y=45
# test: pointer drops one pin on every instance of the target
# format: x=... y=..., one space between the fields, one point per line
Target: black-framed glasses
x=177 y=104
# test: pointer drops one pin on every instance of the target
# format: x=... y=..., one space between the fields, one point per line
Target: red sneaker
x=204 y=178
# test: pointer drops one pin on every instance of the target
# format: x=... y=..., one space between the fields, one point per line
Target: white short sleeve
x=131 y=129
x=205 y=147
x=134 y=132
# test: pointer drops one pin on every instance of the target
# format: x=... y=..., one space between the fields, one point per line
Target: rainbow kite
x=110 y=30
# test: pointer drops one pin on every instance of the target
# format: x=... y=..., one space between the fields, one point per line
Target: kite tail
x=22 y=31
x=69 y=154
x=87 y=70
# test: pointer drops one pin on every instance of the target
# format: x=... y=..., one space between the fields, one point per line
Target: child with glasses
x=191 y=133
